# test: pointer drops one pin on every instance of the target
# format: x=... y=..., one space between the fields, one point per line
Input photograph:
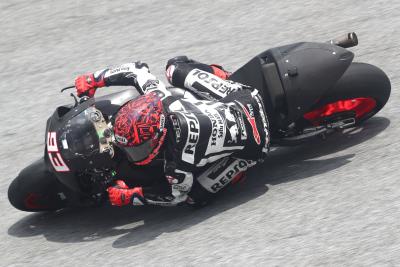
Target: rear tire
x=360 y=80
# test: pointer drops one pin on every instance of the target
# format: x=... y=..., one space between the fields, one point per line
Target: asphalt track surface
x=334 y=202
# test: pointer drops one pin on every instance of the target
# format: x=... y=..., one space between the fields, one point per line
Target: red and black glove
x=120 y=194
x=86 y=85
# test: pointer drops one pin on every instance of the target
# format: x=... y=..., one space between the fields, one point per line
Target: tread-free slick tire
x=360 y=80
x=35 y=189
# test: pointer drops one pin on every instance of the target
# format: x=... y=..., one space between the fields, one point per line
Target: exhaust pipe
x=348 y=40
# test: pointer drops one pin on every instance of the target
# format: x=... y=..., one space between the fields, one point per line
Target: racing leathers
x=210 y=139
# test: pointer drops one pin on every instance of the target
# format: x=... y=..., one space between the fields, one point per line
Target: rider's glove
x=87 y=84
x=120 y=194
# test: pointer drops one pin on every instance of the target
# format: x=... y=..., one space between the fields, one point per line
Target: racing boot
x=184 y=65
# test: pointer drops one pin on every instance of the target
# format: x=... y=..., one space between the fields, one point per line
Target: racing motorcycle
x=310 y=89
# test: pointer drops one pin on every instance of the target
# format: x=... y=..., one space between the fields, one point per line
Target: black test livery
x=309 y=90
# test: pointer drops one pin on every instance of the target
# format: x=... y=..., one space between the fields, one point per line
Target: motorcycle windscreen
x=83 y=139
x=79 y=138
x=81 y=144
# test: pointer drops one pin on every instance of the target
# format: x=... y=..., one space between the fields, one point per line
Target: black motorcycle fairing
x=294 y=77
x=308 y=70
x=110 y=104
x=76 y=143
x=263 y=75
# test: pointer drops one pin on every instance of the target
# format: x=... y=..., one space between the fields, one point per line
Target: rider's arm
x=134 y=74
x=184 y=187
x=198 y=190
x=120 y=194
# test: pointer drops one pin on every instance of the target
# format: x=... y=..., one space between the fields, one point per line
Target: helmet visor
x=139 y=152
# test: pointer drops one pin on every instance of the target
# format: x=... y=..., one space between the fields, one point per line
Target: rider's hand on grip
x=86 y=85
x=120 y=194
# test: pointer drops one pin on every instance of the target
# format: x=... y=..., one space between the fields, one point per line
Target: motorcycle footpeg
x=343 y=124
x=307 y=134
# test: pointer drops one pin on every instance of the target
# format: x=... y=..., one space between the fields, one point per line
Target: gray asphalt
x=334 y=202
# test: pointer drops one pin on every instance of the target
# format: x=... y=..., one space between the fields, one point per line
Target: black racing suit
x=209 y=141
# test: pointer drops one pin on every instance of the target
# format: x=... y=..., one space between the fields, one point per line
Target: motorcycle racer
x=205 y=143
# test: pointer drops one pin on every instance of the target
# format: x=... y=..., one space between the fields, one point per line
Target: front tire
x=36 y=189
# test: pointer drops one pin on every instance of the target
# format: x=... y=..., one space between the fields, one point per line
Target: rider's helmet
x=139 y=128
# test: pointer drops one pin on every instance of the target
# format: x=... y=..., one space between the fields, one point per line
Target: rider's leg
x=182 y=65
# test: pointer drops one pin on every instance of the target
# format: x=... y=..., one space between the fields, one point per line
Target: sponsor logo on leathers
x=150 y=84
x=162 y=122
x=214 y=84
x=251 y=119
x=118 y=70
x=265 y=123
x=193 y=126
x=177 y=128
x=222 y=173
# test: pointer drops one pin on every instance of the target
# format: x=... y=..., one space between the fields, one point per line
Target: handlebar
x=68 y=87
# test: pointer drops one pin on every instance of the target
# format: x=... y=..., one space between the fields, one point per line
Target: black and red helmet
x=139 y=128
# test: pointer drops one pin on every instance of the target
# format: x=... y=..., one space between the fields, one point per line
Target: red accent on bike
x=31 y=201
x=360 y=106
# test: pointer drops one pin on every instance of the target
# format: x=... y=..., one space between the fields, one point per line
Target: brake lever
x=72 y=94
x=76 y=100
x=68 y=87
